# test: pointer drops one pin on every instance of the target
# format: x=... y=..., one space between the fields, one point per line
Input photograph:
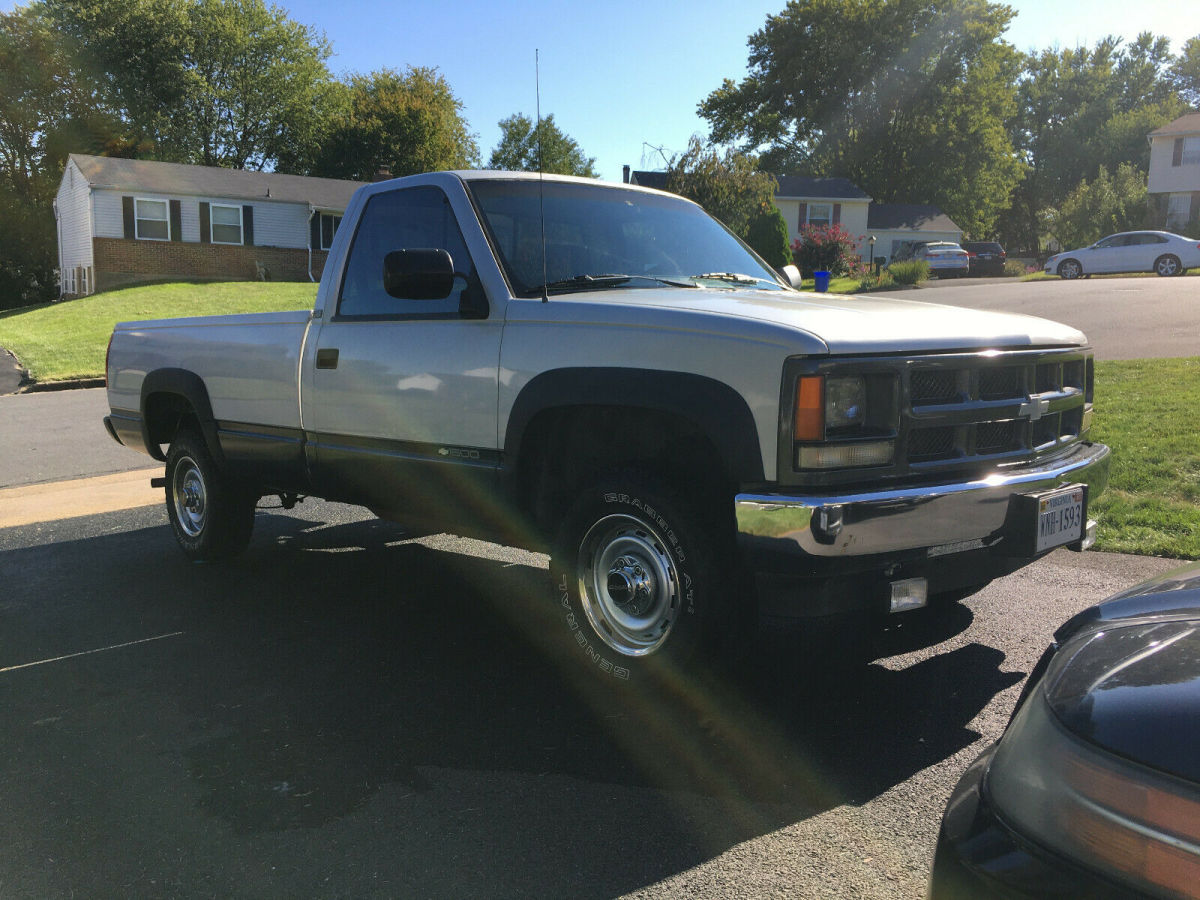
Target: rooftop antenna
x=537 y=79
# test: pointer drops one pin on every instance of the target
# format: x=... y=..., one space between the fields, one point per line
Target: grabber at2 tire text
x=638 y=573
x=211 y=514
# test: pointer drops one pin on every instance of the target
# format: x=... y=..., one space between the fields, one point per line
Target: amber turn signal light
x=810 y=408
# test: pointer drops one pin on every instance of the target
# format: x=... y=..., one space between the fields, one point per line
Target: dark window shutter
x=127 y=215
x=314 y=231
x=837 y=213
x=205 y=224
x=1177 y=155
x=176 y=221
x=803 y=215
x=248 y=225
x=1195 y=211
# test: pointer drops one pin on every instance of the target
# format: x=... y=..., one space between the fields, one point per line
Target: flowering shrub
x=828 y=248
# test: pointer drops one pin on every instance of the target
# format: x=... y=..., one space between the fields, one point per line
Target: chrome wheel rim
x=1069 y=270
x=1167 y=266
x=628 y=585
x=189 y=497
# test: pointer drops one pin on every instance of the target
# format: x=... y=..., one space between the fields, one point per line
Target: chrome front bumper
x=942 y=518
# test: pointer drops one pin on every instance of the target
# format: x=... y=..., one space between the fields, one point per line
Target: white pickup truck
x=606 y=373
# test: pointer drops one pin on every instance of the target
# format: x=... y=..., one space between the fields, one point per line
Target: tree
x=1110 y=203
x=907 y=98
x=234 y=83
x=45 y=112
x=1083 y=109
x=410 y=122
x=729 y=187
x=1185 y=73
x=526 y=147
x=768 y=235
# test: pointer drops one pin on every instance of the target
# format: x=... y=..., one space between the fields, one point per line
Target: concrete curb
x=36 y=387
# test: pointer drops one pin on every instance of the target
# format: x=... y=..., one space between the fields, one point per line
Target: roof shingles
x=148 y=176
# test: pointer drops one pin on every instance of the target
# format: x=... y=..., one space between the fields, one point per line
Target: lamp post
x=871 y=241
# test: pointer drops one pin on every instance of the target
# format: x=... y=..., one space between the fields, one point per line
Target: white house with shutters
x=1174 y=184
x=129 y=221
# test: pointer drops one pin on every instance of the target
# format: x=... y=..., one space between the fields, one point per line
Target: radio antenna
x=537 y=79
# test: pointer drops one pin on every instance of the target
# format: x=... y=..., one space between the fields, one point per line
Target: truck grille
x=949 y=414
x=992 y=407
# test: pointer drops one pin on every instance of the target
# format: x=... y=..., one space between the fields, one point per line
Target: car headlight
x=838 y=420
x=1118 y=817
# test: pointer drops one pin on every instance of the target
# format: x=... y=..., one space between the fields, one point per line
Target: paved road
x=1123 y=317
x=59 y=434
x=344 y=713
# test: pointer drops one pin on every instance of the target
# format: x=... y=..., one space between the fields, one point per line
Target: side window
x=408 y=219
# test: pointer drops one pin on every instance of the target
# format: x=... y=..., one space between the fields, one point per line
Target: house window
x=151 y=220
x=226 y=224
x=1179 y=210
x=820 y=213
x=329 y=227
x=1191 y=152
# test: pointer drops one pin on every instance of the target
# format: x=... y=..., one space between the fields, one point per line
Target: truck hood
x=848 y=324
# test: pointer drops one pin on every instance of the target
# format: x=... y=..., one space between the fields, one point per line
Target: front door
x=400 y=398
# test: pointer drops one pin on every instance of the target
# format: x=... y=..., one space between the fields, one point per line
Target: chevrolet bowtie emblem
x=1034 y=409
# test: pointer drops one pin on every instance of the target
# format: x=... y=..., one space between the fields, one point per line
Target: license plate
x=1059 y=517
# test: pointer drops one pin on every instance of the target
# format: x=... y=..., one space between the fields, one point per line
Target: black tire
x=1069 y=269
x=641 y=576
x=211 y=515
x=1168 y=265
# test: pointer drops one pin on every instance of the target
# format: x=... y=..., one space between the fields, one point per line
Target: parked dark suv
x=985 y=257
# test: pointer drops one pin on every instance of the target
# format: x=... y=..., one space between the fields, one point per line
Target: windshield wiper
x=734 y=277
x=599 y=282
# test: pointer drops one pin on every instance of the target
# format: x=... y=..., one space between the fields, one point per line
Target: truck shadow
x=430 y=706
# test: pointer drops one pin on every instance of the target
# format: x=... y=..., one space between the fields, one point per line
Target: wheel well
x=163 y=414
x=566 y=447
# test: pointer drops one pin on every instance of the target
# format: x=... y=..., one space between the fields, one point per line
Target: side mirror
x=418 y=274
x=791 y=275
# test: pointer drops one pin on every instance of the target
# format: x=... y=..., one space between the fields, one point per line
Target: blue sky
x=620 y=75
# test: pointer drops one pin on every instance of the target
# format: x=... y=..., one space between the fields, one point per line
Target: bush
x=1014 y=269
x=827 y=248
x=768 y=235
x=912 y=271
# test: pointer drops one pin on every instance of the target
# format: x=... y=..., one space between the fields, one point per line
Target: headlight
x=844 y=421
x=845 y=402
x=1115 y=816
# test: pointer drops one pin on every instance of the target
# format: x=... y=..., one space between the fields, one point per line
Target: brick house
x=131 y=221
x=1174 y=186
x=805 y=200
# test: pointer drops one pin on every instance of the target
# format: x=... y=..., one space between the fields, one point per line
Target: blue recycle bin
x=822 y=281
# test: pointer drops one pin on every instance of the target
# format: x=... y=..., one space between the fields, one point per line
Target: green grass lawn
x=1146 y=412
x=1145 y=409
x=67 y=340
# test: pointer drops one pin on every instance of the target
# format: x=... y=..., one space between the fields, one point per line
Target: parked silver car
x=1160 y=252
x=946 y=259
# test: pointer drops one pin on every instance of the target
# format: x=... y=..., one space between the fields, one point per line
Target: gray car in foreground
x=1094 y=789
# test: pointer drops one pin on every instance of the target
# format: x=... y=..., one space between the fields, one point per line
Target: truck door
x=399 y=397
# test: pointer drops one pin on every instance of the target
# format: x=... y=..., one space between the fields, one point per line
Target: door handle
x=327 y=358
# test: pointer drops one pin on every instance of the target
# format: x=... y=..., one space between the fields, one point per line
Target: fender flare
x=191 y=387
x=718 y=411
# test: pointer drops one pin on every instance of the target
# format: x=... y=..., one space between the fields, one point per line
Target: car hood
x=845 y=324
x=1134 y=690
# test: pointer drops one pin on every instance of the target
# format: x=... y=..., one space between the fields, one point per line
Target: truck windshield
x=601 y=237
